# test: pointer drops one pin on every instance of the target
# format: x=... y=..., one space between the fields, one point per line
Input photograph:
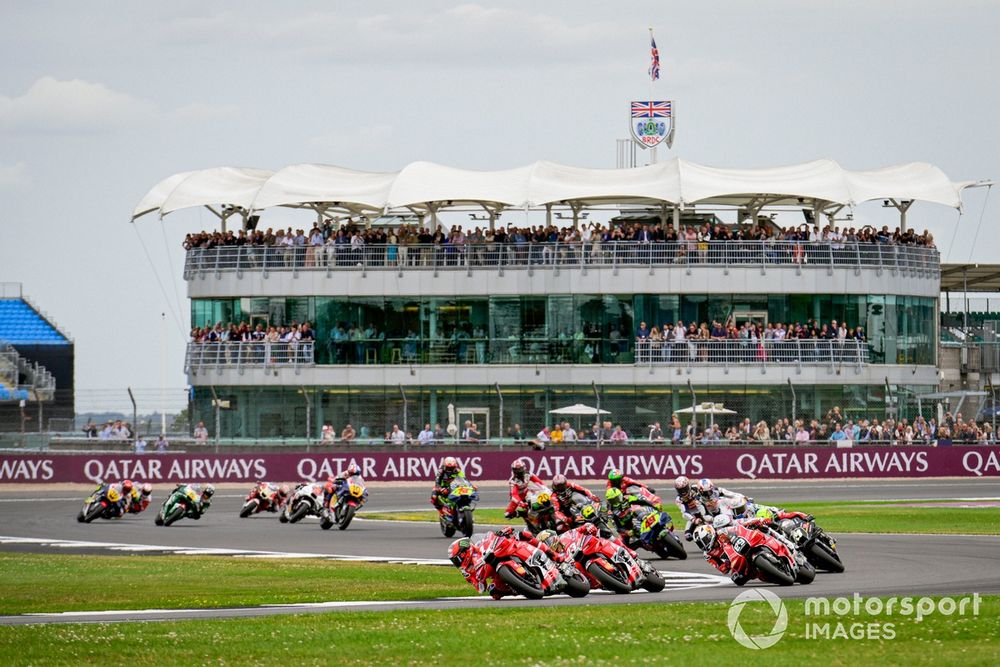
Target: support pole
x=792 y=387
x=135 y=417
x=676 y=221
x=305 y=395
x=215 y=404
x=597 y=415
x=500 y=396
x=694 y=413
x=406 y=409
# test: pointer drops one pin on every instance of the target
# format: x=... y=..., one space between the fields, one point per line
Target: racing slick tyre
x=174 y=515
x=772 y=572
x=93 y=512
x=325 y=520
x=824 y=558
x=609 y=581
x=467 y=523
x=299 y=512
x=345 y=517
x=159 y=518
x=654 y=582
x=447 y=528
x=576 y=586
x=806 y=573
x=673 y=546
x=81 y=517
x=248 y=509
x=518 y=584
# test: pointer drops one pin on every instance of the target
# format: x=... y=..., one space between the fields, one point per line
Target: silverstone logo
x=757 y=642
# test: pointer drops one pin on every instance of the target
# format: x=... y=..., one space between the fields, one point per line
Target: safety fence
x=257 y=354
x=598 y=254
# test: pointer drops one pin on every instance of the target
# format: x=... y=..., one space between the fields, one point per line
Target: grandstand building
x=500 y=334
x=36 y=367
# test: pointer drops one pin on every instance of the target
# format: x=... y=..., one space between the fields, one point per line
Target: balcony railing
x=493 y=256
x=808 y=352
x=256 y=354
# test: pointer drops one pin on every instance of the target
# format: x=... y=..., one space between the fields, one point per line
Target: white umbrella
x=578 y=409
x=710 y=409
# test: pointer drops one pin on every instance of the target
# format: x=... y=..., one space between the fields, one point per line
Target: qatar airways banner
x=761 y=463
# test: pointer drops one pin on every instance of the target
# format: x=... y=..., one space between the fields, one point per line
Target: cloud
x=53 y=105
x=13 y=175
x=201 y=111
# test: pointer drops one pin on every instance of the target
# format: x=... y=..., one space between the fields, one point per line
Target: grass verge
x=654 y=634
x=64 y=582
x=836 y=517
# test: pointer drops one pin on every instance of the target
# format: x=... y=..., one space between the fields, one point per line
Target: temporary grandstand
x=36 y=365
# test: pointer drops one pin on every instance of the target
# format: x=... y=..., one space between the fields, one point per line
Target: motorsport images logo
x=757 y=642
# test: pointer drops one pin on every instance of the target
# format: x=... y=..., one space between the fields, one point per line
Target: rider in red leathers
x=714 y=542
x=564 y=490
x=519 y=481
x=468 y=557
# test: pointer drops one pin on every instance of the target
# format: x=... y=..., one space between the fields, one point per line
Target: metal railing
x=729 y=352
x=496 y=256
x=256 y=354
x=38 y=381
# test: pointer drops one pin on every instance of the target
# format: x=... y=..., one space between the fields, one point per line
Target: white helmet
x=722 y=521
x=704 y=537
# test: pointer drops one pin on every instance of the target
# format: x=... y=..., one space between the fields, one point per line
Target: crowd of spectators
x=273 y=344
x=409 y=245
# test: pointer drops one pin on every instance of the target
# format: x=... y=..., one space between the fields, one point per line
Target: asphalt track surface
x=877 y=564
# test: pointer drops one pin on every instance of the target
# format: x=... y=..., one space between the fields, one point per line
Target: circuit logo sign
x=757 y=642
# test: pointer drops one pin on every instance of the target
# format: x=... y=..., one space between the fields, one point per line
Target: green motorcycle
x=184 y=501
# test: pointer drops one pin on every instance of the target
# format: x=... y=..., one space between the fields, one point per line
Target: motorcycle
x=103 y=503
x=307 y=500
x=350 y=497
x=580 y=509
x=607 y=564
x=260 y=499
x=177 y=505
x=818 y=547
x=758 y=554
x=518 y=568
x=456 y=514
x=656 y=533
x=645 y=495
x=540 y=513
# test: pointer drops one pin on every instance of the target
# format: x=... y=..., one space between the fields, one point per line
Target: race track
x=876 y=564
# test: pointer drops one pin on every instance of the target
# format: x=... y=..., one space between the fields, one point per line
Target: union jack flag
x=652 y=109
x=654 y=67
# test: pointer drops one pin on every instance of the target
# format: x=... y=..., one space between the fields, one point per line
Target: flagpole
x=652 y=156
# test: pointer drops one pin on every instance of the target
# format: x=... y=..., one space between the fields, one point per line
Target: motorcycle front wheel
x=175 y=515
x=609 y=581
x=518 y=584
x=806 y=573
x=576 y=586
x=346 y=514
x=248 y=509
x=93 y=512
x=299 y=512
x=447 y=527
x=672 y=546
x=820 y=555
x=653 y=582
x=774 y=573
x=467 y=525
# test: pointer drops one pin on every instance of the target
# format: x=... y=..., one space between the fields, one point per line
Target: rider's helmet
x=283 y=490
x=328 y=487
x=739 y=506
x=127 y=486
x=615 y=498
x=519 y=470
x=722 y=521
x=706 y=486
x=549 y=539
x=750 y=510
x=209 y=491
x=459 y=551
x=588 y=529
x=705 y=537
x=615 y=477
x=683 y=485
x=450 y=465
x=559 y=483
x=353 y=469
x=765 y=513
x=147 y=489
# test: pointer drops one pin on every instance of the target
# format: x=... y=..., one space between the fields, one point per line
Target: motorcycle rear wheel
x=806 y=573
x=447 y=527
x=519 y=585
x=576 y=586
x=823 y=558
x=771 y=571
x=672 y=546
x=609 y=581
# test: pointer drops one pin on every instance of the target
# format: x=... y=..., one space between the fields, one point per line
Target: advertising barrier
x=732 y=463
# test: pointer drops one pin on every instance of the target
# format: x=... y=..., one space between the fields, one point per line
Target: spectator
x=162 y=444
x=140 y=445
x=348 y=434
x=568 y=434
x=426 y=436
x=397 y=436
x=655 y=433
x=556 y=434
x=327 y=434
x=200 y=432
x=516 y=434
x=619 y=436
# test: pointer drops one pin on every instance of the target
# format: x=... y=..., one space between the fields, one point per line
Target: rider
x=689 y=502
x=563 y=489
x=336 y=484
x=624 y=516
x=204 y=500
x=447 y=473
x=713 y=541
x=138 y=499
x=711 y=495
x=468 y=557
x=618 y=480
x=519 y=481
x=275 y=496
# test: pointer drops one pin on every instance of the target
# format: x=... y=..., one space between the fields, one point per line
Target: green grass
x=63 y=582
x=836 y=517
x=654 y=634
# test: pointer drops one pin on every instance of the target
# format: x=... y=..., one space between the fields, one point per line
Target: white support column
x=548 y=215
x=676 y=220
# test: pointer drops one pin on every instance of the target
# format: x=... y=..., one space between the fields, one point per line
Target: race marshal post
x=652 y=121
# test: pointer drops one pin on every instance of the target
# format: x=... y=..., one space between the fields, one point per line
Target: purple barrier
x=761 y=463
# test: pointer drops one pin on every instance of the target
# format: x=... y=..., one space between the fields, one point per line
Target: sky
x=101 y=100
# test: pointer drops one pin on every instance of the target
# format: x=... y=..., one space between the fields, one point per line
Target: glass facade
x=562 y=328
x=265 y=412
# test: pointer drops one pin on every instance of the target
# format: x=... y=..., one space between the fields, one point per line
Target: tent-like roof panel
x=425 y=182
x=819 y=179
x=222 y=186
x=551 y=182
x=307 y=183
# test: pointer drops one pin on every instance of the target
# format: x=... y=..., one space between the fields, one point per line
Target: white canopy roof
x=424 y=184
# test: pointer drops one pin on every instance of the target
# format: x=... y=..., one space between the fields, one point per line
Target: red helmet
x=559 y=483
x=518 y=469
x=460 y=551
x=450 y=464
x=283 y=490
x=353 y=469
x=328 y=487
x=588 y=529
x=127 y=486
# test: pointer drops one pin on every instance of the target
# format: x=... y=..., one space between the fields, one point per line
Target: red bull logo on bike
x=422 y=465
